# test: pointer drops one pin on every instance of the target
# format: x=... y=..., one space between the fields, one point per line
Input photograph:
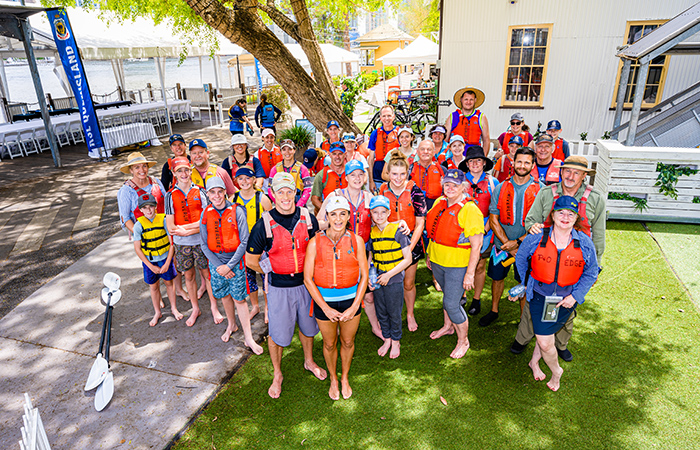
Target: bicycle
x=414 y=112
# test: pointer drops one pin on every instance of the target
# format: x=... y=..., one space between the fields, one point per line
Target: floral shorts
x=186 y=256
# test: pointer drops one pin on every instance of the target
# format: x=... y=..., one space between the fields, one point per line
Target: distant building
x=378 y=43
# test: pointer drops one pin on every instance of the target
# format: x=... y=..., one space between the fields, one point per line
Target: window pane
x=650 y=94
x=525 y=75
x=635 y=33
x=659 y=60
x=648 y=29
x=516 y=39
x=512 y=75
x=527 y=57
x=654 y=76
x=514 y=57
x=536 y=77
x=542 y=37
x=529 y=37
x=539 y=58
x=535 y=93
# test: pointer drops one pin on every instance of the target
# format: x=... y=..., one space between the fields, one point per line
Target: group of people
x=376 y=214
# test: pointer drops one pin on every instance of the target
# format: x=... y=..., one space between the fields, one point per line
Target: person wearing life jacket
x=178 y=147
x=283 y=233
x=331 y=177
x=381 y=142
x=546 y=168
x=517 y=121
x=563 y=267
x=427 y=173
x=267 y=114
x=437 y=134
x=139 y=185
x=408 y=204
x=241 y=157
x=503 y=169
x=255 y=204
x=269 y=154
x=202 y=169
x=510 y=203
x=336 y=274
x=457 y=150
x=390 y=251
x=314 y=160
x=591 y=210
x=561 y=147
x=455 y=226
x=468 y=121
x=239 y=117
x=406 y=148
x=154 y=248
x=362 y=141
x=333 y=135
x=351 y=152
x=293 y=167
x=184 y=204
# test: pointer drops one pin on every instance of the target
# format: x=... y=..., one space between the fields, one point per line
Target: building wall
x=385 y=47
x=582 y=66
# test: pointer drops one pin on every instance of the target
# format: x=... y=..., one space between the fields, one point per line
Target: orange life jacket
x=428 y=180
x=451 y=164
x=269 y=158
x=360 y=218
x=442 y=224
x=483 y=198
x=552 y=266
x=336 y=264
x=504 y=168
x=467 y=127
x=187 y=207
x=222 y=229
x=331 y=181
x=506 y=201
x=288 y=249
x=155 y=192
x=234 y=166
x=506 y=140
x=385 y=143
x=558 y=152
x=403 y=205
x=552 y=175
x=585 y=224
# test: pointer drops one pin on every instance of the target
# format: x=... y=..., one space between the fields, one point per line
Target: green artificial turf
x=632 y=383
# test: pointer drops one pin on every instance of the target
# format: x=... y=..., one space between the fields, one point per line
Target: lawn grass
x=632 y=384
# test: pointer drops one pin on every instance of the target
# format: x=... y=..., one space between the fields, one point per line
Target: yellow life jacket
x=386 y=252
x=253 y=210
x=154 y=239
x=197 y=177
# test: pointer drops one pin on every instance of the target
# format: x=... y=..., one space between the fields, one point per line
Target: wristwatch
x=519 y=241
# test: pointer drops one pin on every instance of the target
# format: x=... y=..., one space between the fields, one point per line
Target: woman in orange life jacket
x=562 y=266
x=442 y=150
x=457 y=150
x=224 y=232
x=407 y=203
x=454 y=226
x=503 y=169
x=138 y=185
x=269 y=154
x=241 y=157
x=406 y=139
x=302 y=176
x=333 y=133
x=336 y=274
x=517 y=128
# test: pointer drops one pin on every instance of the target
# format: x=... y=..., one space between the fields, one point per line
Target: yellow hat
x=480 y=97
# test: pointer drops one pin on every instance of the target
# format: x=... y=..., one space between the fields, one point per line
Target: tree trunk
x=316 y=96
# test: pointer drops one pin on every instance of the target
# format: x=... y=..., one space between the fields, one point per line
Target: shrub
x=277 y=96
x=301 y=136
x=369 y=79
x=389 y=72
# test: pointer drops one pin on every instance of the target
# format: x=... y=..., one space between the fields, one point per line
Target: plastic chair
x=61 y=132
x=27 y=142
x=76 y=132
x=42 y=140
x=11 y=145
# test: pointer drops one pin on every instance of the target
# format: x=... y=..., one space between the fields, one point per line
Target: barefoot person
x=154 y=248
x=284 y=233
x=336 y=273
x=563 y=267
x=224 y=231
x=134 y=188
x=455 y=226
x=391 y=252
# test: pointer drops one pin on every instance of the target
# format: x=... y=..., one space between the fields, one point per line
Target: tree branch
x=285 y=23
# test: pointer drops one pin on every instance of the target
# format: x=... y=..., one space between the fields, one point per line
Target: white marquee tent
x=421 y=50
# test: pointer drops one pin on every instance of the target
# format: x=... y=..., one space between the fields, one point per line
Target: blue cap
x=554 y=125
x=245 y=171
x=215 y=182
x=379 y=200
x=517 y=140
x=337 y=147
x=455 y=176
x=177 y=137
x=566 y=202
x=331 y=123
x=353 y=166
x=310 y=157
x=197 y=143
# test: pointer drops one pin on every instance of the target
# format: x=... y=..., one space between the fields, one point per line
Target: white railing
x=33 y=433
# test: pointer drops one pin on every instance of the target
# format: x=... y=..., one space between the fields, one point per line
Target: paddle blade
x=112 y=281
x=112 y=299
x=104 y=392
x=98 y=372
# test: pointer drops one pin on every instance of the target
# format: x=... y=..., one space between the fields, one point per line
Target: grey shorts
x=287 y=307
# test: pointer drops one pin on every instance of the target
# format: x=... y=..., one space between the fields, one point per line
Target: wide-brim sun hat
x=477 y=152
x=133 y=159
x=480 y=96
x=577 y=162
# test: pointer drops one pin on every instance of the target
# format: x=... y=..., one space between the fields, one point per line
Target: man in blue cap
x=561 y=147
x=203 y=170
x=331 y=177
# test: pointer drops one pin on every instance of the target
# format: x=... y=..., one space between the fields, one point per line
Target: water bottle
x=372 y=277
x=517 y=291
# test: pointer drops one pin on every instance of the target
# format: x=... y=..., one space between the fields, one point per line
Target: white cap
x=267 y=132
x=337 y=202
x=238 y=139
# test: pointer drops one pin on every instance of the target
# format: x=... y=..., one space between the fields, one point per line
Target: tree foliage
x=420 y=16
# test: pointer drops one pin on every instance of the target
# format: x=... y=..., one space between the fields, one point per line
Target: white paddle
x=105 y=390
x=100 y=367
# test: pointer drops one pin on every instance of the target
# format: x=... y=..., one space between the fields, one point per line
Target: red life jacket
x=360 y=218
x=451 y=164
x=506 y=140
x=428 y=180
x=331 y=181
x=336 y=265
x=188 y=208
x=288 y=249
x=552 y=175
x=403 y=205
x=385 y=143
x=269 y=158
x=233 y=164
x=558 y=152
x=483 y=198
x=505 y=170
x=467 y=127
x=442 y=224
x=155 y=191
x=222 y=229
x=552 y=266
x=585 y=224
x=506 y=201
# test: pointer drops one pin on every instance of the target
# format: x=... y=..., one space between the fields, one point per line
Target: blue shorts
x=151 y=278
x=236 y=287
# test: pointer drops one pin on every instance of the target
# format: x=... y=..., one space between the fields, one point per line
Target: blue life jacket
x=267 y=117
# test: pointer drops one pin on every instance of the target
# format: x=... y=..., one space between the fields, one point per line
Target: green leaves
x=668 y=178
x=640 y=203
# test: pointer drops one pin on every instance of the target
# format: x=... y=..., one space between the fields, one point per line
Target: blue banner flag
x=257 y=72
x=73 y=66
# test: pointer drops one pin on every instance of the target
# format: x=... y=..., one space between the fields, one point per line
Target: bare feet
x=444 y=331
x=395 y=349
x=412 y=325
x=536 y=371
x=316 y=370
x=437 y=286
x=254 y=347
x=384 y=348
x=346 y=389
x=553 y=384
x=460 y=350
x=193 y=317
x=201 y=291
x=155 y=319
x=182 y=294
x=162 y=303
x=229 y=331
x=218 y=318
x=276 y=387
x=177 y=314
x=254 y=311
x=266 y=320
x=333 y=392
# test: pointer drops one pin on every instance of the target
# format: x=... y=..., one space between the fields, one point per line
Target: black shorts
x=340 y=306
x=498 y=272
x=418 y=251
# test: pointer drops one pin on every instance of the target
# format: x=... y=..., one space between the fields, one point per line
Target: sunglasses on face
x=515 y=122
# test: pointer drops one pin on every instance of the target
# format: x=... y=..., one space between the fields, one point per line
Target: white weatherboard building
x=555 y=59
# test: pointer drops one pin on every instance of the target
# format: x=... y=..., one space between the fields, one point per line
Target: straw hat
x=578 y=163
x=480 y=97
x=135 y=158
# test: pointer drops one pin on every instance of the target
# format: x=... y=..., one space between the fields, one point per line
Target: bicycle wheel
x=372 y=125
x=423 y=121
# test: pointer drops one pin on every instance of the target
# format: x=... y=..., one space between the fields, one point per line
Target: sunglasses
x=287 y=142
x=476 y=189
x=515 y=122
